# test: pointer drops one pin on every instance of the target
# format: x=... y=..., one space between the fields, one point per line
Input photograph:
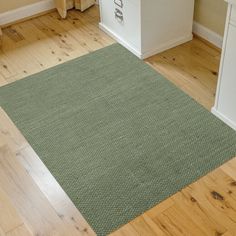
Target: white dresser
x=225 y=104
x=147 y=27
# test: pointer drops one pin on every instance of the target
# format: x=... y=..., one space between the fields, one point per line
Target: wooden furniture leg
x=61 y=7
x=83 y=4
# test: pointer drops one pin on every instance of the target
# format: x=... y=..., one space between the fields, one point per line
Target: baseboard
x=167 y=45
x=207 y=34
x=137 y=52
x=223 y=118
x=26 y=11
x=120 y=40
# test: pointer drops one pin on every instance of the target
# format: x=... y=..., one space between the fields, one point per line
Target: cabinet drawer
x=128 y=28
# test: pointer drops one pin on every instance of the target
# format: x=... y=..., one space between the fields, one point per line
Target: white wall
x=7 y=5
x=211 y=14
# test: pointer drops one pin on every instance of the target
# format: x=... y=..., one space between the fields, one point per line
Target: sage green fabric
x=116 y=135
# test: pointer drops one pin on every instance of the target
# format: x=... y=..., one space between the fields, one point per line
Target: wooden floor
x=31 y=201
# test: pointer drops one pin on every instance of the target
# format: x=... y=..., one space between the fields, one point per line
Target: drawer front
x=123 y=18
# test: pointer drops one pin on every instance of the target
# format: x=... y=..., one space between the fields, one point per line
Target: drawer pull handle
x=119 y=3
x=119 y=15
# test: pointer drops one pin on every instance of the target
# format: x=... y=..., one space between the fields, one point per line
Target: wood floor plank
x=155 y=228
x=125 y=230
x=192 y=68
x=9 y=135
x=2 y=233
x=53 y=42
x=8 y=68
x=47 y=52
x=209 y=202
x=176 y=222
x=3 y=81
x=158 y=209
x=230 y=168
x=91 y=29
x=227 y=234
x=143 y=225
x=19 y=231
x=74 y=37
x=9 y=218
x=186 y=203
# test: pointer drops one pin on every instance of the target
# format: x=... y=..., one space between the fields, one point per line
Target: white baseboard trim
x=207 y=34
x=120 y=40
x=223 y=118
x=26 y=11
x=138 y=52
x=167 y=45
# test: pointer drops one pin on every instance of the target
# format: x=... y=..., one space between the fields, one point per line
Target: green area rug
x=116 y=135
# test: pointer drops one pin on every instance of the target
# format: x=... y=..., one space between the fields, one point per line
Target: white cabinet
x=147 y=27
x=127 y=27
x=225 y=104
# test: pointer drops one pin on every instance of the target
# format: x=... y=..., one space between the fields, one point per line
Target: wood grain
x=9 y=218
x=33 y=203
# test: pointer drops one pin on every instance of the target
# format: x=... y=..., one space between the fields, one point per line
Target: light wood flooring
x=31 y=201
